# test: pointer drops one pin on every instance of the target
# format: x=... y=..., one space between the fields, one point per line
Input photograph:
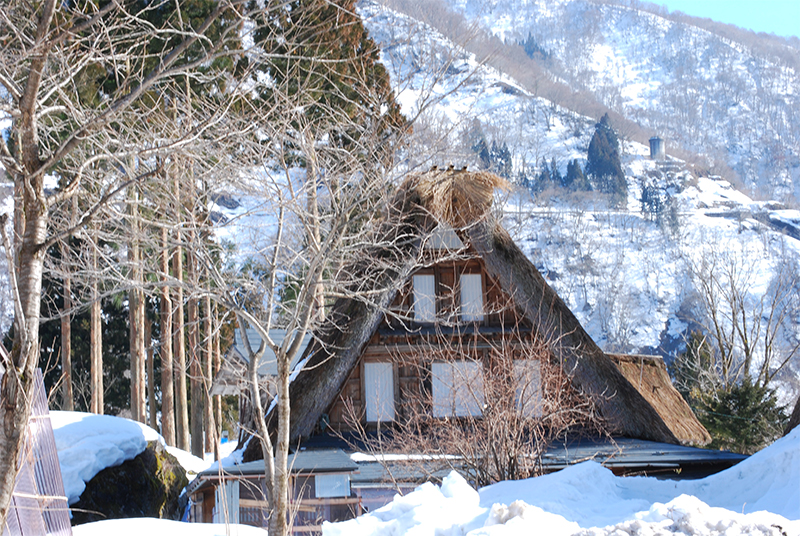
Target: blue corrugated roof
x=303 y=461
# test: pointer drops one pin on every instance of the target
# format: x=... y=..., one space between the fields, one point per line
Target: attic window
x=457 y=389
x=424 y=298
x=471 y=298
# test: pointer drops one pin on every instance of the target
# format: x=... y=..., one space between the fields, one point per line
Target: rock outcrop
x=149 y=485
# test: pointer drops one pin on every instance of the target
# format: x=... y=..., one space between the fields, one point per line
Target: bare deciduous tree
x=50 y=50
x=748 y=329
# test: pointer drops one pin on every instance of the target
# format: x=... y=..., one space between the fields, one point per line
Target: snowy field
x=162 y=527
x=760 y=496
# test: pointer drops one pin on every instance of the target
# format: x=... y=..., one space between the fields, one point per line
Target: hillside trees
x=729 y=370
x=97 y=147
x=603 y=162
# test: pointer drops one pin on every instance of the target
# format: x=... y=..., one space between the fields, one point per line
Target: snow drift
x=761 y=495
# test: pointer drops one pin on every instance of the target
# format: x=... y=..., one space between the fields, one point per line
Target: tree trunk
x=167 y=385
x=195 y=366
x=30 y=230
x=281 y=487
x=96 y=340
x=314 y=238
x=66 y=338
x=151 y=380
x=17 y=383
x=136 y=317
x=208 y=364
x=179 y=346
x=217 y=363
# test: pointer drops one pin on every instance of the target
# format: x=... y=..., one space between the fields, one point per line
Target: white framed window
x=379 y=391
x=331 y=486
x=528 y=396
x=457 y=389
x=424 y=298
x=471 y=298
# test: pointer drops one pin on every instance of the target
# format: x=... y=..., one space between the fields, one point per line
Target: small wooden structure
x=321 y=491
x=38 y=504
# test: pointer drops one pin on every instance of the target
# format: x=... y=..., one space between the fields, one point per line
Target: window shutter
x=424 y=298
x=457 y=389
x=471 y=298
x=379 y=391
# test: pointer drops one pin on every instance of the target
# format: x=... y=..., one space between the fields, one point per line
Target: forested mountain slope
x=727 y=94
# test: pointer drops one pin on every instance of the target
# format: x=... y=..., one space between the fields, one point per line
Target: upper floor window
x=424 y=298
x=471 y=298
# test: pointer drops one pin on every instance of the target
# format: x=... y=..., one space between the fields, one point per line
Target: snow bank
x=430 y=509
x=760 y=495
x=162 y=527
x=89 y=443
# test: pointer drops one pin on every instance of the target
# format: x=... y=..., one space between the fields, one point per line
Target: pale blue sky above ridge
x=781 y=17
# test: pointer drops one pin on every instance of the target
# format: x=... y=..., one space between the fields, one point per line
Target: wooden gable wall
x=399 y=339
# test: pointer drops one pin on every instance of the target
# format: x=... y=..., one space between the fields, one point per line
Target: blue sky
x=781 y=17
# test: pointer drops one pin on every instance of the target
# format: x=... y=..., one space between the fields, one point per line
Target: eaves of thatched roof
x=650 y=377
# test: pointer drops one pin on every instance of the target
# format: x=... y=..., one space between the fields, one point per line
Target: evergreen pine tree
x=603 y=162
x=745 y=418
x=504 y=163
x=324 y=58
x=555 y=174
x=575 y=180
x=484 y=155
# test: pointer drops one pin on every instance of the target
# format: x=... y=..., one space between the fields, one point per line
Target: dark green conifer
x=321 y=56
x=575 y=180
x=603 y=162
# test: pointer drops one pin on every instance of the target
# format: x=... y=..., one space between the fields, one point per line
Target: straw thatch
x=648 y=374
x=459 y=198
x=463 y=200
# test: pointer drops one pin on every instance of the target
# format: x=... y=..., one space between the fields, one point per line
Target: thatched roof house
x=635 y=397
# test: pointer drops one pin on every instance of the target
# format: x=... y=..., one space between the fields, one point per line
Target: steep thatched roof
x=462 y=200
x=623 y=407
x=650 y=377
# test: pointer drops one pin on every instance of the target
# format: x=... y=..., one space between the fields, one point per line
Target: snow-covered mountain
x=631 y=278
x=730 y=95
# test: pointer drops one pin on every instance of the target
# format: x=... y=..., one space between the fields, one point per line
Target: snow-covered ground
x=162 y=527
x=754 y=497
x=759 y=496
